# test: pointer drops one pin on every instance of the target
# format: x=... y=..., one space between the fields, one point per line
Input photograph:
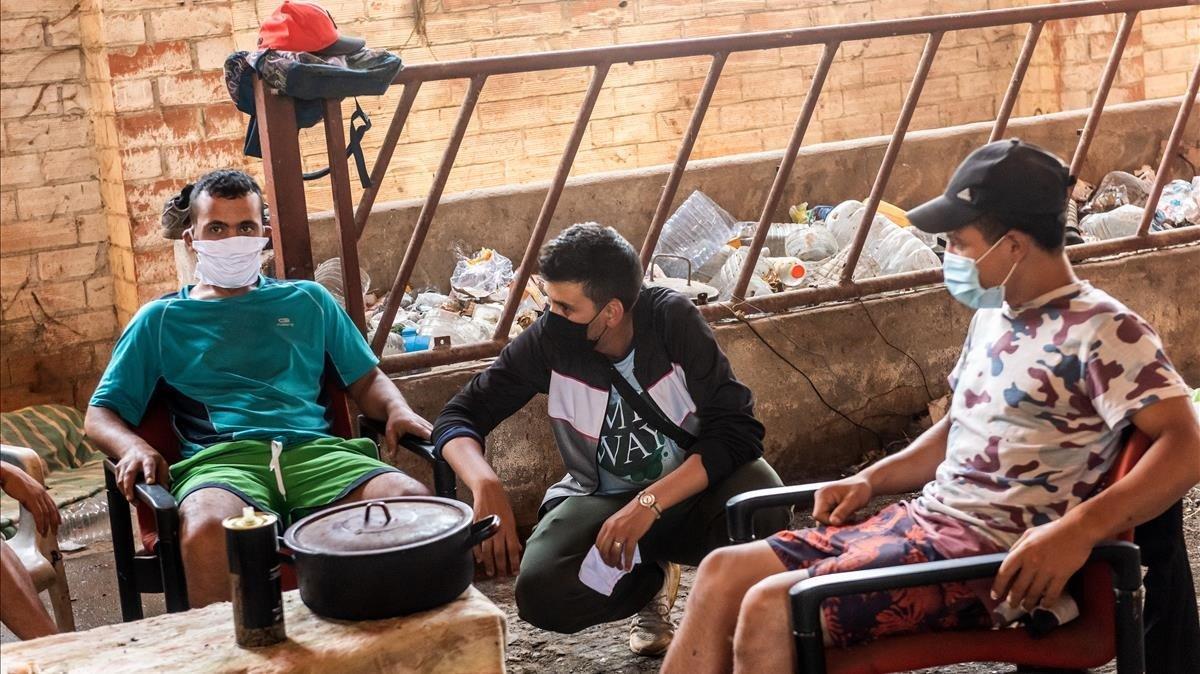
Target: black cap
x=1007 y=179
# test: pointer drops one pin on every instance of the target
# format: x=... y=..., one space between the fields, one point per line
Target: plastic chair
x=39 y=553
x=158 y=567
x=1107 y=589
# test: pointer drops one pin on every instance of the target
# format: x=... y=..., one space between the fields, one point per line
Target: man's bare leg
x=704 y=641
x=385 y=485
x=20 y=609
x=203 y=539
x=763 y=641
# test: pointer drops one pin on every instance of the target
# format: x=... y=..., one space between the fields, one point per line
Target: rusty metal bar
x=889 y=155
x=343 y=213
x=699 y=110
x=578 y=58
x=379 y=170
x=421 y=228
x=1014 y=84
x=1106 y=80
x=793 y=299
x=517 y=288
x=784 y=172
x=416 y=360
x=284 y=183
x=1160 y=178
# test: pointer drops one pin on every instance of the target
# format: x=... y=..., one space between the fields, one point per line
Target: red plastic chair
x=158 y=566
x=1108 y=593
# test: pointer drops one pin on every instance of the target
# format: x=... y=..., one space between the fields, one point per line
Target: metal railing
x=285 y=190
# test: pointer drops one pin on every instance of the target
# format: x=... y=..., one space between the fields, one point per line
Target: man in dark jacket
x=655 y=432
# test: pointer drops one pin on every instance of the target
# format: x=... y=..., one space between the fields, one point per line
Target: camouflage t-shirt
x=1041 y=395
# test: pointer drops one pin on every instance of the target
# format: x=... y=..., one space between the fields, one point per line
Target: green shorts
x=315 y=473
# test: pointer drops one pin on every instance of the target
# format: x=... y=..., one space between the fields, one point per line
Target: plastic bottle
x=697 y=230
x=1119 y=222
x=726 y=280
x=892 y=248
x=811 y=243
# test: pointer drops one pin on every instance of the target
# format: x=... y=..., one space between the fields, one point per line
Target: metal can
x=253 y=550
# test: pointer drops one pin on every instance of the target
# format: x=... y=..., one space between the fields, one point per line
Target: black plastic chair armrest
x=376 y=428
x=156 y=496
x=808 y=594
x=739 y=510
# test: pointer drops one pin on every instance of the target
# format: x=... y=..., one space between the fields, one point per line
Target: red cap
x=304 y=26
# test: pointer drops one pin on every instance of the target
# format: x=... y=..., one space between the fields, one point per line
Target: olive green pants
x=549 y=592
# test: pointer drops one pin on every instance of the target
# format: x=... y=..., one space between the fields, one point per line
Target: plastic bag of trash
x=429 y=300
x=481 y=275
x=1118 y=188
x=696 y=230
x=1179 y=204
x=1114 y=224
x=460 y=329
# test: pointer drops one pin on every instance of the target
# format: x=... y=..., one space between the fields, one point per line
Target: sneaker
x=652 y=631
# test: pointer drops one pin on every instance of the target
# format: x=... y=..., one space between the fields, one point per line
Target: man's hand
x=33 y=497
x=835 y=503
x=621 y=533
x=141 y=460
x=401 y=421
x=500 y=553
x=1040 y=563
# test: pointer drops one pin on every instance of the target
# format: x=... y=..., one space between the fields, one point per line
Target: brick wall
x=109 y=106
x=57 y=295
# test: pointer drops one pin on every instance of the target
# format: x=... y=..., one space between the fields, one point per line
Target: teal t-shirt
x=631 y=454
x=236 y=368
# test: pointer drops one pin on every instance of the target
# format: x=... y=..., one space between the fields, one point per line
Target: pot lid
x=375 y=526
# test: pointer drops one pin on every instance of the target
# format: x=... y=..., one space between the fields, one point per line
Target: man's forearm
x=911 y=468
x=465 y=456
x=375 y=394
x=686 y=481
x=110 y=433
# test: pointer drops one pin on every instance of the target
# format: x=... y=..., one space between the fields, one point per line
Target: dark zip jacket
x=677 y=363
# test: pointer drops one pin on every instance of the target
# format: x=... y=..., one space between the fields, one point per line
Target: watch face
x=646 y=499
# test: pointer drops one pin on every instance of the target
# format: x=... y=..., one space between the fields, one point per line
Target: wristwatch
x=648 y=500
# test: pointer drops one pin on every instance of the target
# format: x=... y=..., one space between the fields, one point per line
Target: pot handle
x=483 y=530
x=387 y=514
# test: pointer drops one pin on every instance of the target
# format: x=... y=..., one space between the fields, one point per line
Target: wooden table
x=466 y=635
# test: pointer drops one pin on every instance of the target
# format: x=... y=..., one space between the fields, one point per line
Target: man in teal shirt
x=240 y=360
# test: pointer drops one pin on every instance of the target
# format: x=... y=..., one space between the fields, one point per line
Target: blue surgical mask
x=961 y=275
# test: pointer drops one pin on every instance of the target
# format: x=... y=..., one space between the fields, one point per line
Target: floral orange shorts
x=890 y=538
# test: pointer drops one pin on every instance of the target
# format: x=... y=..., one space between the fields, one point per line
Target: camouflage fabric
x=1042 y=395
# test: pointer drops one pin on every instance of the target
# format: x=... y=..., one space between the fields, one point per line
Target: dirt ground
x=601 y=649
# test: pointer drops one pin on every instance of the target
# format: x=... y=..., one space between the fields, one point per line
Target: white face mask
x=229 y=263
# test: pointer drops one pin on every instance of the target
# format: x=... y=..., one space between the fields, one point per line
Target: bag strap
x=353 y=148
x=648 y=410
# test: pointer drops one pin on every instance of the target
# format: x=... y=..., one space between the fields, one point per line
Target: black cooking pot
x=385 y=558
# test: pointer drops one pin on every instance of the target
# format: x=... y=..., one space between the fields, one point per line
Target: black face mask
x=569 y=334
